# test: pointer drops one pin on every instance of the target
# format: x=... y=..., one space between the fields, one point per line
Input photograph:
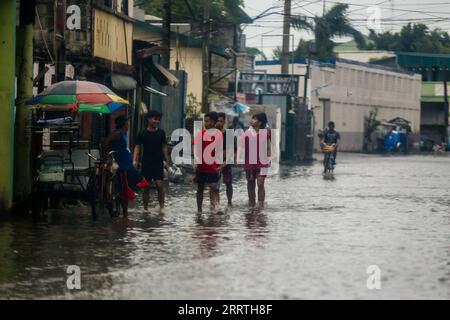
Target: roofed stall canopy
x=411 y=60
x=432 y=67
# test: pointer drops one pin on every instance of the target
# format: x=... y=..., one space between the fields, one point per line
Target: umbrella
x=237 y=109
x=240 y=108
x=80 y=96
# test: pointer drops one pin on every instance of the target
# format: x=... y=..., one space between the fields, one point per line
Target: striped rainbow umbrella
x=80 y=96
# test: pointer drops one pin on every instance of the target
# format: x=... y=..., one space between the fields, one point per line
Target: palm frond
x=300 y=22
x=348 y=30
x=338 y=10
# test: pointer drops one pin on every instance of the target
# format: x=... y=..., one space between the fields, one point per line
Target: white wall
x=354 y=90
x=364 y=56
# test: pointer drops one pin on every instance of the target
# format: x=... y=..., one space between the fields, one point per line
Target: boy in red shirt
x=208 y=170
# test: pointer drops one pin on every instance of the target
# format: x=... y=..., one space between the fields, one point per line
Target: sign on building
x=113 y=37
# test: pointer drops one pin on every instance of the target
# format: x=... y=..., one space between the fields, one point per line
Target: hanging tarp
x=122 y=82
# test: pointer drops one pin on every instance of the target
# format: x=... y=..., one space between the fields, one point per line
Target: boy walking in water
x=257 y=161
x=226 y=175
x=208 y=171
x=155 y=157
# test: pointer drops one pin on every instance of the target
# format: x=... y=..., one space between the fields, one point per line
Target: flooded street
x=315 y=239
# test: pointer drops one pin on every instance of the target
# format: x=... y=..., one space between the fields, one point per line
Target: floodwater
x=315 y=239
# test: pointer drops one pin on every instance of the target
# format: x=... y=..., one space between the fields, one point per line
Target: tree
x=301 y=51
x=332 y=24
x=411 y=38
x=370 y=126
x=256 y=52
x=276 y=53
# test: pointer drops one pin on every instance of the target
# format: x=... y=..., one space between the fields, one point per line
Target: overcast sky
x=394 y=14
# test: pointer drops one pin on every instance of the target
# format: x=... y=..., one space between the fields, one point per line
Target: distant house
x=231 y=36
x=345 y=91
x=185 y=53
x=98 y=46
x=434 y=114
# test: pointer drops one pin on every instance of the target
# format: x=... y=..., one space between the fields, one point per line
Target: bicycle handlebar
x=91 y=156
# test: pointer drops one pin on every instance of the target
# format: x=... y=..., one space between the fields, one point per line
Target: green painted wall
x=7 y=83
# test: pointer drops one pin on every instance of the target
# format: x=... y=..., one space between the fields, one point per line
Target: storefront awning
x=122 y=83
x=162 y=75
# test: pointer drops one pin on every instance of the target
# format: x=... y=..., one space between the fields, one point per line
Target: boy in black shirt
x=227 y=174
x=155 y=156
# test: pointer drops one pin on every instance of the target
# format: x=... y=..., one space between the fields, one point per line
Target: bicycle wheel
x=92 y=190
x=328 y=163
x=114 y=199
x=326 y=158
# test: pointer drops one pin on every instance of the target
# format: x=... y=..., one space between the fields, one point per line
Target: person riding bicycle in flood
x=331 y=137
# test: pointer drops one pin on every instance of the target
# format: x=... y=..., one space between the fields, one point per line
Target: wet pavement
x=315 y=239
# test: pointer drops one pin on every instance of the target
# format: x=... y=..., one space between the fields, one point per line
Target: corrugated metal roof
x=184 y=39
x=420 y=60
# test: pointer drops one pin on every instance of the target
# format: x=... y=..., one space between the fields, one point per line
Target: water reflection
x=207 y=232
x=256 y=223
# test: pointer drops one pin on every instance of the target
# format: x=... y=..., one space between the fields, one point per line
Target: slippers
x=143 y=184
x=130 y=195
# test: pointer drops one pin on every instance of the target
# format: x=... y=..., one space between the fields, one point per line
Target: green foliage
x=373 y=60
x=411 y=38
x=222 y=11
x=370 y=126
x=333 y=24
x=276 y=53
x=256 y=52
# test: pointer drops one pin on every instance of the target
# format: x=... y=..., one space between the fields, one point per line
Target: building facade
x=434 y=69
x=7 y=96
x=345 y=91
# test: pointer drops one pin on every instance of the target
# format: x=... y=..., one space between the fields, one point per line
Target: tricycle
x=67 y=166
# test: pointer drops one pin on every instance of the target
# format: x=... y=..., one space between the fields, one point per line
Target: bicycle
x=105 y=184
x=328 y=159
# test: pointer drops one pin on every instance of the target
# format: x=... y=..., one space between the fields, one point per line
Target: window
x=124 y=8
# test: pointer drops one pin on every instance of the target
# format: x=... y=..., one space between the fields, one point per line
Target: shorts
x=226 y=177
x=252 y=174
x=205 y=177
x=153 y=172
x=131 y=179
x=227 y=174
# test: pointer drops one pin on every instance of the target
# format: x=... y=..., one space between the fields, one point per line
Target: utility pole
x=22 y=135
x=166 y=33
x=58 y=40
x=324 y=7
x=286 y=35
x=446 y=107
x=205 y=57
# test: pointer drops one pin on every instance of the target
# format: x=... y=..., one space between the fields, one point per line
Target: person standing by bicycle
x=155 y=156
x=331 y=137
x=117 y=141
